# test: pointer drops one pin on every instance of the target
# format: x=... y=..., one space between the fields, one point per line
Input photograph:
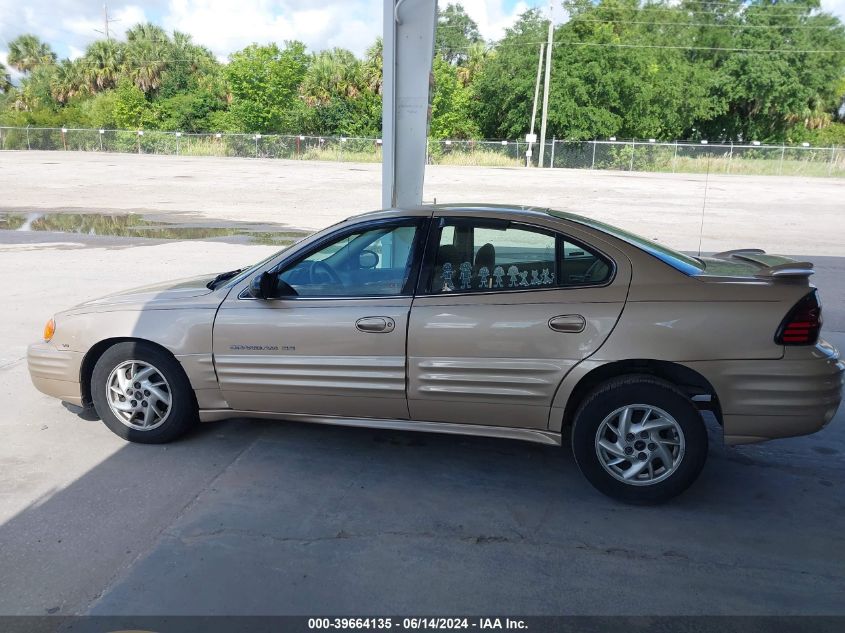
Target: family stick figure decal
x=516 y=278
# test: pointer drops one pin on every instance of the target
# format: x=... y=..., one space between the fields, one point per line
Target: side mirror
x=367 y=259
x=261 y=286
x=269 y=286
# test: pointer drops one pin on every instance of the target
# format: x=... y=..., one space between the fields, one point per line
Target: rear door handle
x=375 y=324
x=572 y=323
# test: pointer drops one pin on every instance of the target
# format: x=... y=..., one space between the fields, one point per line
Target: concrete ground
x=250 y=517
x=787 y=215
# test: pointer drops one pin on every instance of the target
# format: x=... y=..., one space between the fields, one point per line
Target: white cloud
x=70 y=24
x=91 y=27
x=836 y=7
x=225 y=26
x=491 y=16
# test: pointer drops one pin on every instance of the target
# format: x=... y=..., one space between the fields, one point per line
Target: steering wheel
x=318 y=269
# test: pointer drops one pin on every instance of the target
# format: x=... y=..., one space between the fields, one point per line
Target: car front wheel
x=639 y=439
x=142 y=394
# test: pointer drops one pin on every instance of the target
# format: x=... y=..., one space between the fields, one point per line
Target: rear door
x=503 y=311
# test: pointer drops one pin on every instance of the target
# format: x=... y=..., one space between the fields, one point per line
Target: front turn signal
x=49 y=330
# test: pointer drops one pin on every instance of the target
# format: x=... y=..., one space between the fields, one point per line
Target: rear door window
x=493 y=256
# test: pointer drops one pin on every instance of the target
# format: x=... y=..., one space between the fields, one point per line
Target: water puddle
x=133 y=225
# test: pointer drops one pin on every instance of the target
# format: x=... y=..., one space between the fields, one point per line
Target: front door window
x=370 y=263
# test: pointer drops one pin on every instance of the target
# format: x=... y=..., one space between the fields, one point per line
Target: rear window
x=677 y=260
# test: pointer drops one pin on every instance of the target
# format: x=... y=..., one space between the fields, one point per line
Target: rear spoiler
x=771 y=266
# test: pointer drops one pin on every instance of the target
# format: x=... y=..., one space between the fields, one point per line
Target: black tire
x=182 y=414
x=646 y=390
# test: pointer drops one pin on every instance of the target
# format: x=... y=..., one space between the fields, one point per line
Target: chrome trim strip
x=529 y=435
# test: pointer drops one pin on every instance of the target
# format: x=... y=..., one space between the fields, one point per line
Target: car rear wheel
x=639 y=439
x=142 y=394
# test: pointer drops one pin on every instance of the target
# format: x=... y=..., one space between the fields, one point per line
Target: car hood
x=155 y=295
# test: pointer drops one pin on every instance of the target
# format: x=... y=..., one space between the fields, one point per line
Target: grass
x=762 y=161
x=477 y=158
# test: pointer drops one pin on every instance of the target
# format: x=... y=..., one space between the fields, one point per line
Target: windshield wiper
x=211 y=285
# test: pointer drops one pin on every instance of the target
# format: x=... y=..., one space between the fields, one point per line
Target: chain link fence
x=619 y=155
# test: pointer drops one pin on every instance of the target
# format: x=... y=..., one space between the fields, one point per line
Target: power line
x=740 y=5
x=709 y=48
x=744 y=11
x=690 y=48
x=705 y=24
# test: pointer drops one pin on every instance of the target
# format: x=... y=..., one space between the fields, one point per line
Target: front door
x=336 y=345
x=503 y=312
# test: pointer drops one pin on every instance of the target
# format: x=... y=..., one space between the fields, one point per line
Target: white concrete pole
x=406 y=88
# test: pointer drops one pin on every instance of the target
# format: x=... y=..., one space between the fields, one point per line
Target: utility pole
x=546 y=87
x=534 y=108
x=106 y=21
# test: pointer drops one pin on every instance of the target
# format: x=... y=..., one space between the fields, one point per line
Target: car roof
x=466 y=208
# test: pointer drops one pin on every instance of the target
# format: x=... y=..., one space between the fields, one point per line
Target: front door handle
x=375 y=324
x=573 y=323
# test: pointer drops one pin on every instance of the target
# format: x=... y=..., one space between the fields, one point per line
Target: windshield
x=684 y=263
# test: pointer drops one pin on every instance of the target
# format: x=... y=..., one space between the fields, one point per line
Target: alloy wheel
x=139 y=395
x=640 y=444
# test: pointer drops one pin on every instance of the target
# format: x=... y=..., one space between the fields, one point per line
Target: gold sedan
x=504 y=321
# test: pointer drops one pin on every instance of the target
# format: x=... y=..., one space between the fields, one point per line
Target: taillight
x=803 y=323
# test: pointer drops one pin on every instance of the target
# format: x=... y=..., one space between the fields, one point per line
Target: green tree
x=104 y=61
x=333 y=74
x=264 y=83
x=450 y=105
x=99 y=110
x=36 y=91
x=604 y=82
x=478 y=54
x=340 y=94
x=187 y=65
x=455 y=32
x=27 y=52
x=372 y=67
x=783 y=86
x=130 y=106
x=5 y=79
x=504 y=89
x=147 y=55
x=67 y=81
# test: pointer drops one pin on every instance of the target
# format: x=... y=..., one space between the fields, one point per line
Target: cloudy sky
x=228 y=25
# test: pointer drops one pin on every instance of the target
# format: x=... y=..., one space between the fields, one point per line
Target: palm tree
x=68 y=81
x=147 y=31
x=27 y=52
x=147 y=54
x=103 y=63
x=372 y=68
x=5 y=79
x=185 y=51
x=477 y=55
x=334 y=73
